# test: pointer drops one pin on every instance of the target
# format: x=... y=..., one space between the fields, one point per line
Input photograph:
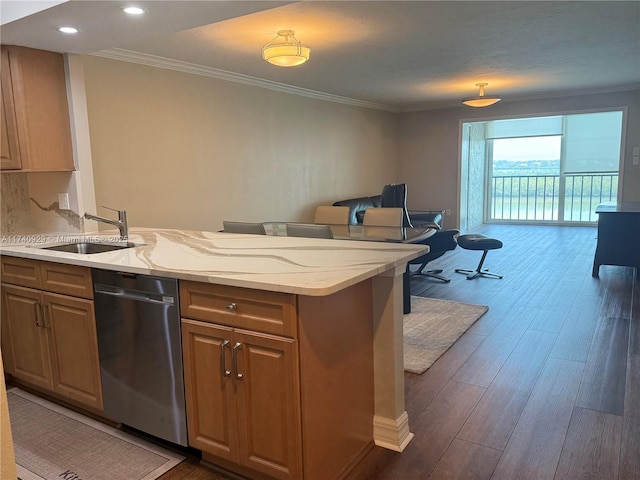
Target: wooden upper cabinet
x=9 y=154
x=36 y=134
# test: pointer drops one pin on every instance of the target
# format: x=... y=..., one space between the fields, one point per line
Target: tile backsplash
x=14 y=204
x=29 y=203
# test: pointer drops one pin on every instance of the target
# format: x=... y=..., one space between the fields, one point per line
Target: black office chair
x=442 y=242
x=395 y=195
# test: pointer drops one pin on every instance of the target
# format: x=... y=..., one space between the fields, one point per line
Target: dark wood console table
x=618 y=235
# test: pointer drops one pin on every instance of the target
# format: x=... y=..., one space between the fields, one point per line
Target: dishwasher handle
x=133 y=295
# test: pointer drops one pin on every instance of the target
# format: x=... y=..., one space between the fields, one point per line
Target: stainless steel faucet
x=121 y=223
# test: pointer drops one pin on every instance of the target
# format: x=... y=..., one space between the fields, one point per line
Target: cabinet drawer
x=21 y=271
x=66 y=279
x=262 y=311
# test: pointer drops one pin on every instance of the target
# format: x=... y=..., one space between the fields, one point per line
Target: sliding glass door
x=554 y=169
x=590 y=163
x=525 y=178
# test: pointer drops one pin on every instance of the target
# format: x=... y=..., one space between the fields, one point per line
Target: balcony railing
x=541 y=197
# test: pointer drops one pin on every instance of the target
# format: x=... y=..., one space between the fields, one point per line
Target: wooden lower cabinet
x=243 y=397
x=297 y=404
x=29 y=346
x=49 y=340
x=211 y=410
x=71 y=328
x=268 y=403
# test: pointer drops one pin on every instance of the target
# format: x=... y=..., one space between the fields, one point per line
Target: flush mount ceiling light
x=133 y=10
x=285 y=50
x=481 y=100
x=68 y=30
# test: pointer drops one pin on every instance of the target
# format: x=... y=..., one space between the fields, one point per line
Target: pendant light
x=481 y=100
x=285 y=50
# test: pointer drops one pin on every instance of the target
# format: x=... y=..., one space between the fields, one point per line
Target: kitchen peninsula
x=332 y=309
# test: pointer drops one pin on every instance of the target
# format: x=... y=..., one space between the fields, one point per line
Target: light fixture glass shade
x=68 y=30
x=287 y=53
x=133 y=10
x=481 y=100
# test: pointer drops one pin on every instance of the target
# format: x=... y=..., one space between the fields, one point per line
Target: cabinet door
x=5 y=339
x=71 y=326
x=41 y=109
x=22 y=312
x=9 y=154
x=211 y=409
x=268 y=403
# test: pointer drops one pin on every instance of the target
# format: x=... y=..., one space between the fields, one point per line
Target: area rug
x=432 y=327
x=52 y=442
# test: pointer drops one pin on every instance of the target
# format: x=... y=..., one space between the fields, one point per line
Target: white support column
x=85 y=200
x=391 y=422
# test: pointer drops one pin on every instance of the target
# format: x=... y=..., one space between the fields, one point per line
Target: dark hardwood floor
x=546 y=385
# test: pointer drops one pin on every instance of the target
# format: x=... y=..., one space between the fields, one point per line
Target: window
x=541 y=169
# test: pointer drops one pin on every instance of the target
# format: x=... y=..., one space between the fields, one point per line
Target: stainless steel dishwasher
x=140 y=349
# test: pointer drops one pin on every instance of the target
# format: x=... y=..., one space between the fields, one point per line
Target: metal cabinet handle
x=223 y=366
x=37 y=309
x=232 y=306
x=234 y=357
x=46 y=307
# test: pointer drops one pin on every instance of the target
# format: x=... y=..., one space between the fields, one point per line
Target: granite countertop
x=305 y=266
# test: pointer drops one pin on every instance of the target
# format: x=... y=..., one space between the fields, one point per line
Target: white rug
x=432 y=327
x=54 y=443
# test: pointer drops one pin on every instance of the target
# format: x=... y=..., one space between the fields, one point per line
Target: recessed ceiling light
x=69 y=30
x=133 y=10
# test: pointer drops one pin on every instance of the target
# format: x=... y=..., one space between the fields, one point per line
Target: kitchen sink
x=90 y=247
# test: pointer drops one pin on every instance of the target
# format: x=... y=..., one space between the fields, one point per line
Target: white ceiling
x=394 y=55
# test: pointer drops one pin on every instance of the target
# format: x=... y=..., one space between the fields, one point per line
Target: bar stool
x=476 y=241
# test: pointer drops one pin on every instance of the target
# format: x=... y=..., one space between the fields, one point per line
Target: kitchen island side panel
x=337 y=379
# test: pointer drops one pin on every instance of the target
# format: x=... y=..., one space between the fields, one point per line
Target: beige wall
x=430 y=144
x=187 y=151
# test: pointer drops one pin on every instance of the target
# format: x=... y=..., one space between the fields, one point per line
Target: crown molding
x=186 y=67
